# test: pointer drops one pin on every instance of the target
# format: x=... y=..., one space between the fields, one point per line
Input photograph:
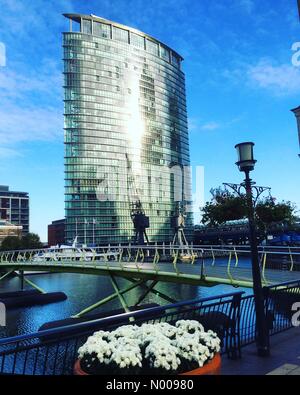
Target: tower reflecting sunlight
x=124 y=95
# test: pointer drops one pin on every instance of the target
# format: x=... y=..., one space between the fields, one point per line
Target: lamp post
x=246 y=163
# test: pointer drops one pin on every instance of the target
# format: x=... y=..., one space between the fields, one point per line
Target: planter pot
x=213 y=367
x=77 y=369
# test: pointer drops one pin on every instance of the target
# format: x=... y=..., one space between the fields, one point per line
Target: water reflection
x=83 y=290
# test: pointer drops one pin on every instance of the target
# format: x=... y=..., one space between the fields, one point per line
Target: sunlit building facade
x=125 y=119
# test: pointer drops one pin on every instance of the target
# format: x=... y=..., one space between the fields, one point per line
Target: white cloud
x=30 y=88
x=15 y=85
x=28 y=110
x=29 y=124
x=211 y=126
x=281 y=79
x=196 y=124
x=192 y=123
x=8 y=153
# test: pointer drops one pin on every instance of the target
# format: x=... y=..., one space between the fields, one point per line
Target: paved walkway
x=284 y=359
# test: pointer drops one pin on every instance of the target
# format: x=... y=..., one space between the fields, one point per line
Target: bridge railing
x=54 y=351
x=153 y=260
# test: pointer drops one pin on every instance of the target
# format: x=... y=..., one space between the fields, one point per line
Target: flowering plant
x=158 y=348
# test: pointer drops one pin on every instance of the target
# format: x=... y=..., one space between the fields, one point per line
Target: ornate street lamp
x=246 y=163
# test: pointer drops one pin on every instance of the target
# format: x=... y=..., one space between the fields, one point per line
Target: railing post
x=22 y=279
x=202 y=266
x=234 y=348
x=213 y=256
x=266 y=295
x=292 y=260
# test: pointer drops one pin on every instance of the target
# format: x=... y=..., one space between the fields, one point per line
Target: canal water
x=83 y=290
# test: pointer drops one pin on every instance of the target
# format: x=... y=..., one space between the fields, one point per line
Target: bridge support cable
x=31 y=283
x=120 y=296
x=163 y=296
x=155 y=291
x=107 y=299
x=22 y=279
x=6 y=274
x=146 y=292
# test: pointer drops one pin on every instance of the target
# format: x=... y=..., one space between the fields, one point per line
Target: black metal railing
x=54 y=351
x=279 y=300
x=232 y=316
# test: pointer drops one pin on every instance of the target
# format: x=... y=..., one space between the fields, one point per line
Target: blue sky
x=240 y=83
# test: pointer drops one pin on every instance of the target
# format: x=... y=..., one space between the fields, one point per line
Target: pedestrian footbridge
x=206 y=266
x=145 y=266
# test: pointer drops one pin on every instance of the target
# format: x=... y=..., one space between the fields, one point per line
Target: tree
x=269 y=213
x=31 y=241
x=225 y=206
x=27 y=242
x=11 y=243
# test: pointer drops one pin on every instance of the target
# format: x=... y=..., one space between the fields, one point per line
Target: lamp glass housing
x=246 y=161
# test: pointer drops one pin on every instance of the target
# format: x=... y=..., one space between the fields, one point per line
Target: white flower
x=96 y=346
x=211 y=340
x=167 y=329
x=190 y=326
x=190 y=349
x=162 y=344
x=126 y=355
x=129 y=331
x=163 y=354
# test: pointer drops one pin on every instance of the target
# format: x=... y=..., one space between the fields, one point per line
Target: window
x=24 y=203
x=152 y=47
x=137 y=40
x=165 y=54
x=175 y=60
x=102 y=30
x=121 y=34
x=86 y=26
x=15 y=203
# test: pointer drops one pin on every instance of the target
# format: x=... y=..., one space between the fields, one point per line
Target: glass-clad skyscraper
x=126 y=135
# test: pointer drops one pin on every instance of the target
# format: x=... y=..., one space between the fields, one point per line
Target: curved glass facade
x=125 y=125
